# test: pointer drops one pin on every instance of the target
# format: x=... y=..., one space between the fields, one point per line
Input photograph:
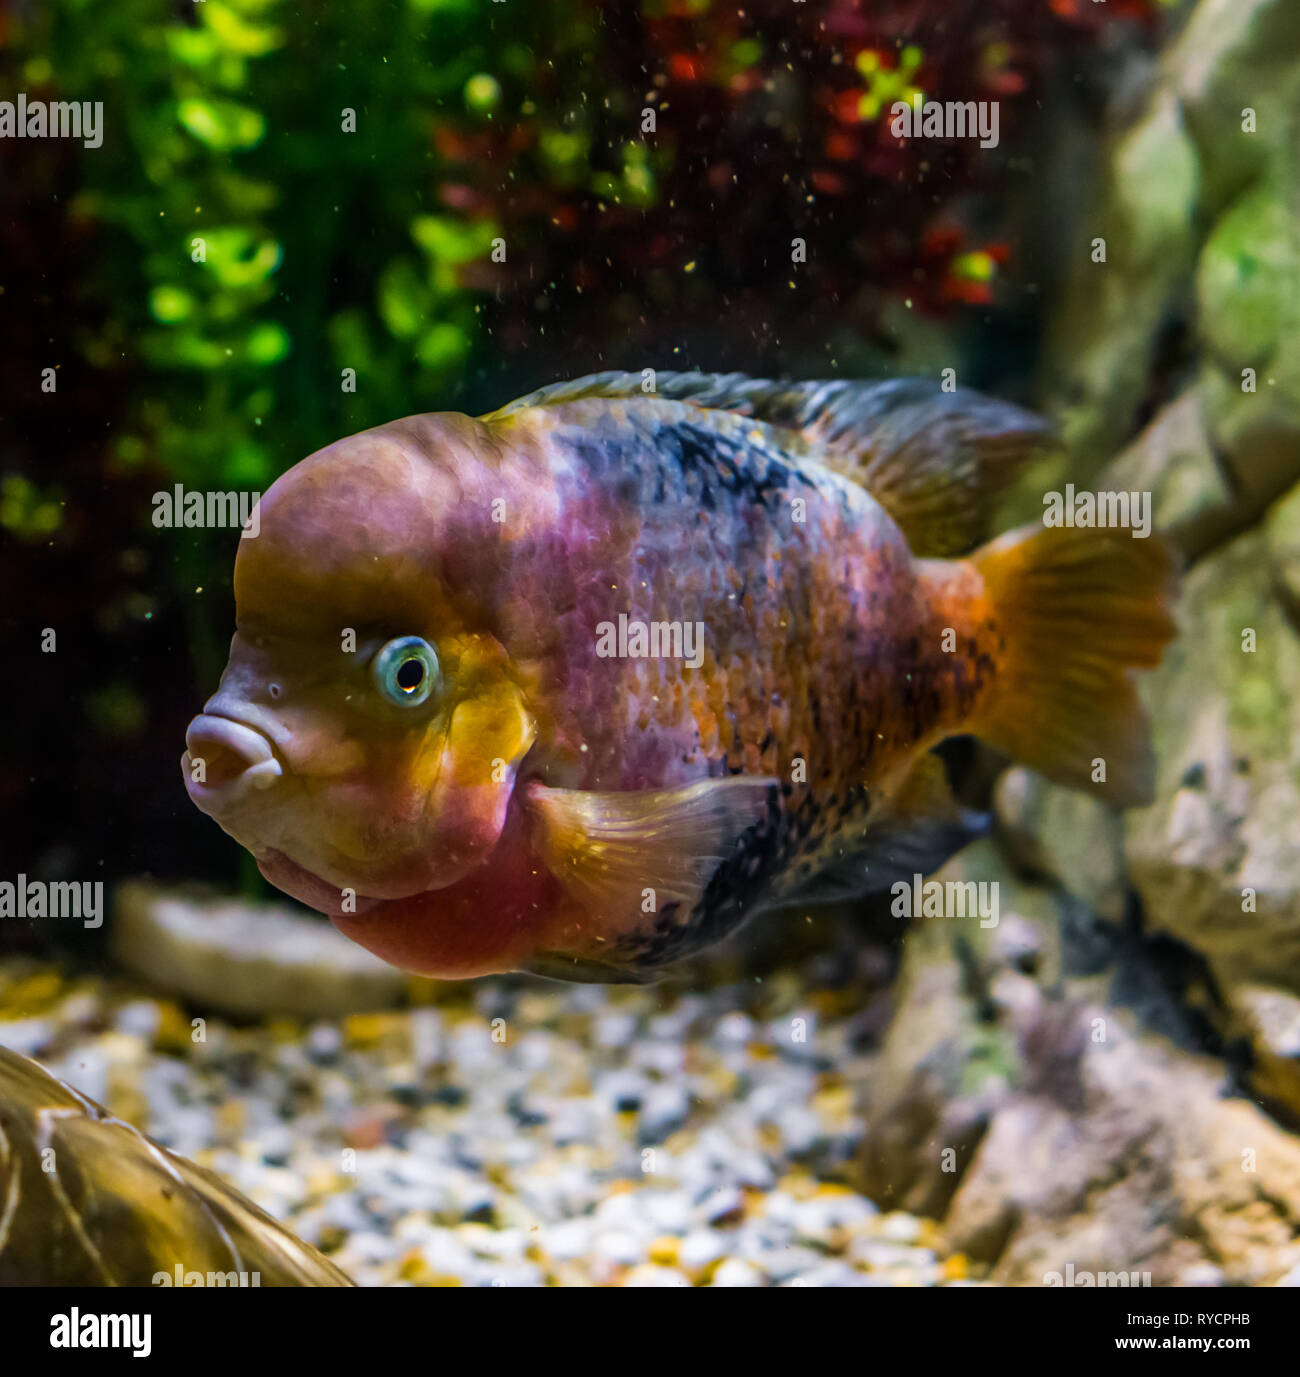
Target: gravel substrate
x=515 y=1133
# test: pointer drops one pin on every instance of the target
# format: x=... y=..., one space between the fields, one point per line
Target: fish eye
x=406 y=671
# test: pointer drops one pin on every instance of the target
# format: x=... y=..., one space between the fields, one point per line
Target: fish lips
x=238 y=762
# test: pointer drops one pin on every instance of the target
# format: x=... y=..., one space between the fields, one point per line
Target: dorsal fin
x=786 y=404
x=938 y=462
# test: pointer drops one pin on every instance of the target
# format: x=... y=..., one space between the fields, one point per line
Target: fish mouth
x=300 y=883
x=237 y=759
x=240 y=763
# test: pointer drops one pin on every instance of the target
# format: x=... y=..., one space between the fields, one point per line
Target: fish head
x=364 y=740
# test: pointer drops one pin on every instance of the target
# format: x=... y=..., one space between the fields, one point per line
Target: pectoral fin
x=623 y=855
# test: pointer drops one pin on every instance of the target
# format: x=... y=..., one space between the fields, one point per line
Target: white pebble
x=652 y=1275
x=720 y=1204
x=620 y=1246
x=700 y=1248
x=737 y=1272
x=734 y=1029
x=140 y=1018
x=900 y=1228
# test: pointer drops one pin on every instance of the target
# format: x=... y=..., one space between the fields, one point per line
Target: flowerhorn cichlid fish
x=580 y=685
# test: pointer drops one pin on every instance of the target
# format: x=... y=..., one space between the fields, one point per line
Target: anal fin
x=913 y=832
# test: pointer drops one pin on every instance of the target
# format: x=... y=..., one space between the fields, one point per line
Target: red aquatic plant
x=741 y=164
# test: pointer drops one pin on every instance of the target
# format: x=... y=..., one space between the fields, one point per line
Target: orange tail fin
x=1080 y=609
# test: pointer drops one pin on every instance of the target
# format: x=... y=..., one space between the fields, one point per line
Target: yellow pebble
x=725 y=1081
x=799 y=1185
x=174 y=1029
x=956 y=1268
x=230 y=1118
x=834 y=1103
x=535 y=1008
x=321 y=1181
x=33 y=995
x=121 y=1049
x=366 y=1029
x=665 y=1250
x=930 y=1236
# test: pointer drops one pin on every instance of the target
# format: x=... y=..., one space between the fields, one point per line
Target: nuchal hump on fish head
x=451 y=770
